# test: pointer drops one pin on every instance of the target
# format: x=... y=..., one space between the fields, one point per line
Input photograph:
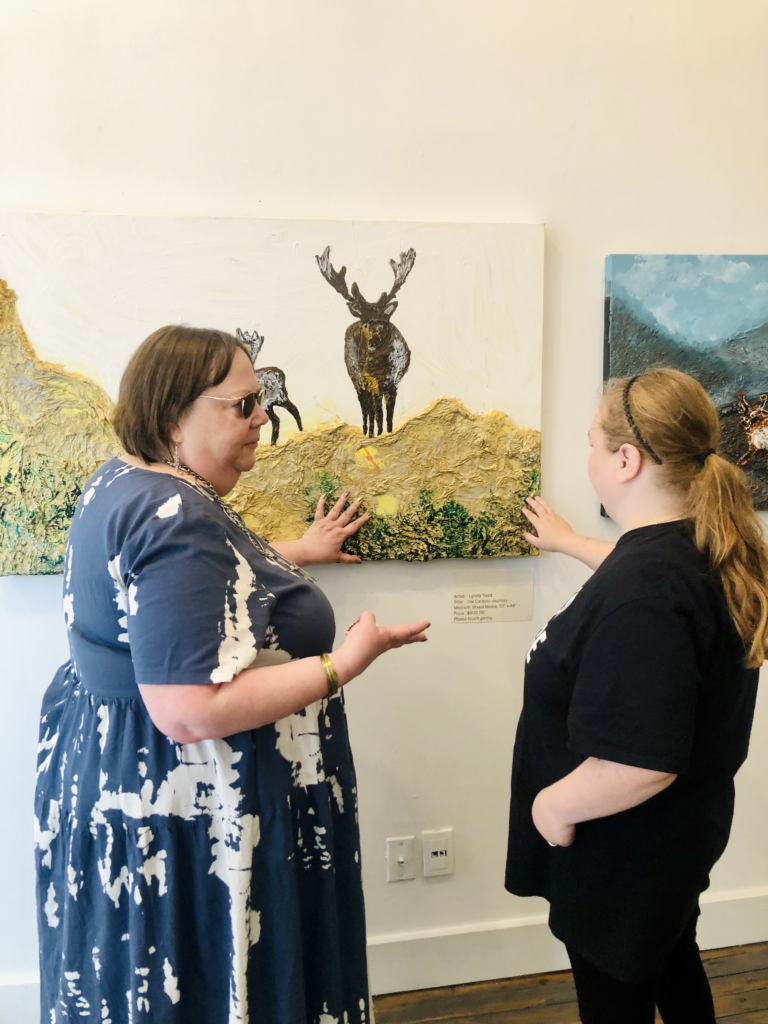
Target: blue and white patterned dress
x=206 y=883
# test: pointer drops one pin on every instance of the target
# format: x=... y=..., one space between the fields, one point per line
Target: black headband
x=633 y=425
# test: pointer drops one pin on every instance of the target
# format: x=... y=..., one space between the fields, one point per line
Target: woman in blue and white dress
x=197 y=843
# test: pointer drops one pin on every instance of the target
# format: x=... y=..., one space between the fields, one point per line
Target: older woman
x=197 y=844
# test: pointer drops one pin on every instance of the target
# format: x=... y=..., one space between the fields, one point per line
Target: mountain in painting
x=633 y=344
x=749 y=350
x=739 y=364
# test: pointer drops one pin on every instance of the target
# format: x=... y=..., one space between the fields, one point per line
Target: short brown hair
x=166 y=373
x=679 y=421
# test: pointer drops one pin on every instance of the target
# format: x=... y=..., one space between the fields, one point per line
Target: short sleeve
x=634 y=699
x=197 y=612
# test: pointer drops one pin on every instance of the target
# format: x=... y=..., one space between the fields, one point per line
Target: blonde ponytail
x=679 y=422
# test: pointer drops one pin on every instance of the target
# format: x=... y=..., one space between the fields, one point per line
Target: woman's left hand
x=548 y=824
x=321 y=544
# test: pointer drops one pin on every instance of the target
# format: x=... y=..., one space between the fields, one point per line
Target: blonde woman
x=639 y=698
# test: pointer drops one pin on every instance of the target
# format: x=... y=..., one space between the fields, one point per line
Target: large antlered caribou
x=375 y=351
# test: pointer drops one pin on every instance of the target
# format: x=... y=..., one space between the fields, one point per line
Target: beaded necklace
x=202 y=486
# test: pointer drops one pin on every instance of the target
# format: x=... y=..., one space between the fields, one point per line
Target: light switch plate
x=401 y=859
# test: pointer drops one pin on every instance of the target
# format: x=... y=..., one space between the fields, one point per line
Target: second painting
x=706 y=316
x=401 y=362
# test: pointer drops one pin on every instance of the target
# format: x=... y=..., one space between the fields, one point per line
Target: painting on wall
x=401 y=362
x=706 y=316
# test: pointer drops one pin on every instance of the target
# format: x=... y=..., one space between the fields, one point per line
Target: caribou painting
x=272 y=382
x=754 y=423
x=375 y=351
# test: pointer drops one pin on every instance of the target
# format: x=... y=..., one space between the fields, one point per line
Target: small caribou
x=272 y=382
x=375 y=352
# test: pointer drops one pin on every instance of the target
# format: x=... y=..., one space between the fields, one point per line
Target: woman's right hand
x=366 y=640
x=553 y=533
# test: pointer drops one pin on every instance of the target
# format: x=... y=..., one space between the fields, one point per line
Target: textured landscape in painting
x=424 y=397
x=706 y=316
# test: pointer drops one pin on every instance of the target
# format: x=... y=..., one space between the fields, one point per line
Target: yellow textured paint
x=459 y=456
x=368 y=459
x=54 y=432
x=387 y=505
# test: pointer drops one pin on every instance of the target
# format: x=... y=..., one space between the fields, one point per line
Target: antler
x=336 y=278
x=386 y=304
x=253 y=341
x=401 y=270
x=357 y=304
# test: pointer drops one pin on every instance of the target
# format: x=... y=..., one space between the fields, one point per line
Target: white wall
x=624 y=126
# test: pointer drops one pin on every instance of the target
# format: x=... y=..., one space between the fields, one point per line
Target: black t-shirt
x=643 y=666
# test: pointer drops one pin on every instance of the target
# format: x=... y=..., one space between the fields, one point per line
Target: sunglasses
x=247 y=403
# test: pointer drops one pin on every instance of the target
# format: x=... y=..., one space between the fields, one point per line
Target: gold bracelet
x=330 y=674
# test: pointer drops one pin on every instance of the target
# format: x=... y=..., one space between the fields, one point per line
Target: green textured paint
x=55 y=432
x=36 y=509
x=425 y=530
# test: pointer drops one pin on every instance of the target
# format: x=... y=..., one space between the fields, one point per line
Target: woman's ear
x=631 y=462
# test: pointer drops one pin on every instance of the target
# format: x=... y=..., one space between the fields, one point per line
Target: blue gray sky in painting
x=703 y=300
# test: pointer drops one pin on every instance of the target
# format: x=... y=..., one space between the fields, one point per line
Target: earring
x=176 y=459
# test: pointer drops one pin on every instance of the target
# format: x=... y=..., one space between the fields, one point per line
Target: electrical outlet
x=401 y=859
x=438 y=852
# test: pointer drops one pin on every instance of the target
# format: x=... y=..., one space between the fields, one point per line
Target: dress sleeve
x=197 y=612
x=634 y=699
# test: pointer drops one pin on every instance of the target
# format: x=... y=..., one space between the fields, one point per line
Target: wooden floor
x=738 y=975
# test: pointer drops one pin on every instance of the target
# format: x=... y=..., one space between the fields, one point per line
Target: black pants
x=681 y=991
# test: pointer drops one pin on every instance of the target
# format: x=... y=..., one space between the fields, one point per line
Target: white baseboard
x=506 y=949
x=473 y=952
x=455 y=956
x=733 y=918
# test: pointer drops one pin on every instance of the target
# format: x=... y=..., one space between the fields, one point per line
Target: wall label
x=492 y=596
